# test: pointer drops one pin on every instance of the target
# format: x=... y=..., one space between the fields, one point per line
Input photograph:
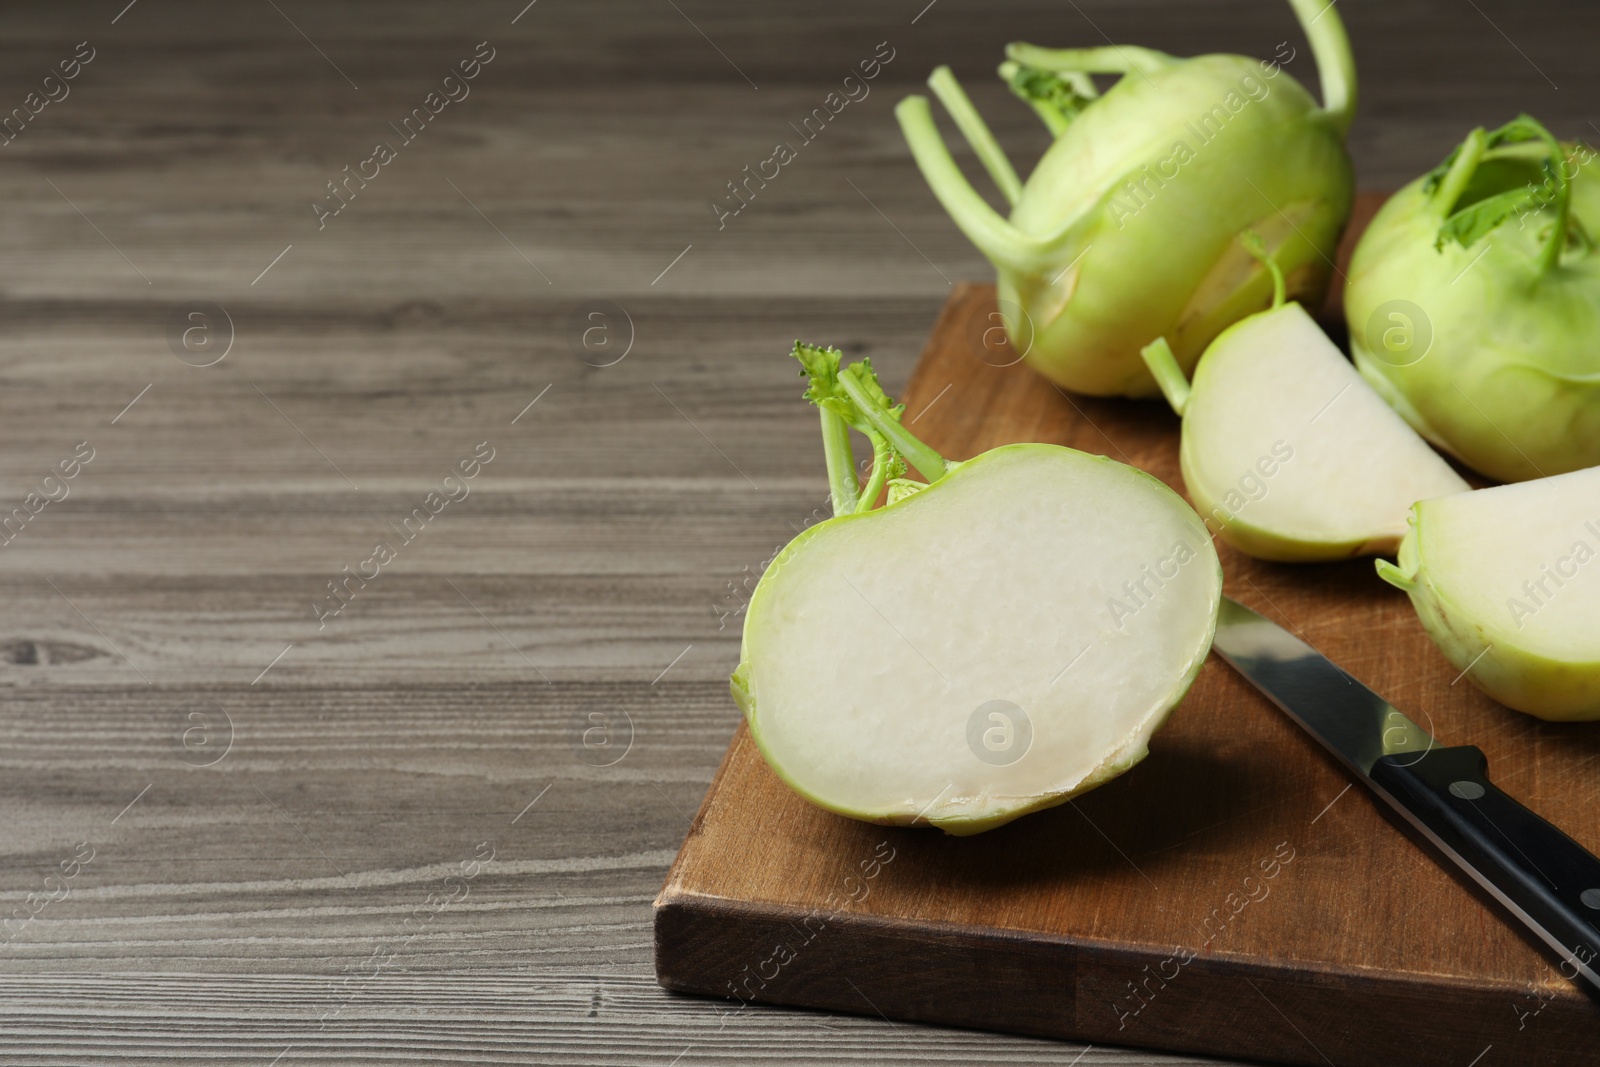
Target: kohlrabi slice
x=993 y=643
x=1125 y=230
x=1474 y=303
x=1286 y=451
x=1507 y=583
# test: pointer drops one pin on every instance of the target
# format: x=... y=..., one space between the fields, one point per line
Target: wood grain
x=222 y=908
x=1225 y=896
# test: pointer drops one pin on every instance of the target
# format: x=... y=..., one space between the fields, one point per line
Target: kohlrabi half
x=1285 y=450
x=1507 y=582
x=1474 y=303
x=1125 y=231
x=992 y=643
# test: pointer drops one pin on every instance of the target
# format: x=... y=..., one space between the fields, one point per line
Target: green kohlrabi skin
x=1127 y=229
x=1489 y=347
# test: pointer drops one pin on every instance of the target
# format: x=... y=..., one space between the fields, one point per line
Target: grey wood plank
x=476 y=1017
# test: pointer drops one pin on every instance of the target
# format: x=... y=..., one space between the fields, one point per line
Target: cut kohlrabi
x=993 y=643
x=1125 y=231
x=1474 y=303
x=1286 y=451
x=1507 y=582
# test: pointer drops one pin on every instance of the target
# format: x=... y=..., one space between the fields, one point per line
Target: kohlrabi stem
x=1454 y=183
x=1081 y=83
x=1005 y=245
x=955 y=100
x=1394 y=575
x=881 y=459
x=1557 y=166
x=1336 y=66
x=842 y=483
x=1112 y=59
x=1168 y=375
x=1253 y=244
x=926 y=460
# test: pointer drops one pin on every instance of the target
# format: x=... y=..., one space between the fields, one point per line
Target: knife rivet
x=1591 y=897
x=1466 y=790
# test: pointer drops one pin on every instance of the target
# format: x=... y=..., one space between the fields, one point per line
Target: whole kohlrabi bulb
x=1128 y=228
x=1474 y=304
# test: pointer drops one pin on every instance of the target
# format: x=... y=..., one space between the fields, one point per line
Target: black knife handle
x=1544 y=877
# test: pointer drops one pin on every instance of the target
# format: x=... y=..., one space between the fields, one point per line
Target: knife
x=1543 y=877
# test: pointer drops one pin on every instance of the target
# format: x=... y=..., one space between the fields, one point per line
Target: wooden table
x=429 y=824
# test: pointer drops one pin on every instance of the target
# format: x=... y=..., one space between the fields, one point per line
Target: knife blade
x=1544 y=878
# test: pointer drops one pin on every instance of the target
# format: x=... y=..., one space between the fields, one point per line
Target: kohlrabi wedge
x=1125 y=230
x=1286 y=451
x=1474 y=303
x=1507 y=583
x=993 y=643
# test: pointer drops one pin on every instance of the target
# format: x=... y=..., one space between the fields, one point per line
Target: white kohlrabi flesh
x=1507 y=582
x=1287 y=452
x=1126 y=230
x=985 y=646
x=1474 y=304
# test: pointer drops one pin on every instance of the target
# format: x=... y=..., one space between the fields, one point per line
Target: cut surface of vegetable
x=1507 y=583
x=1473 y=302
x=988 y=645
x=1125 y=230
x=1288 y=453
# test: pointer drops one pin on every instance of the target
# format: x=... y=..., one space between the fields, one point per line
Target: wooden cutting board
x=1230 y=895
